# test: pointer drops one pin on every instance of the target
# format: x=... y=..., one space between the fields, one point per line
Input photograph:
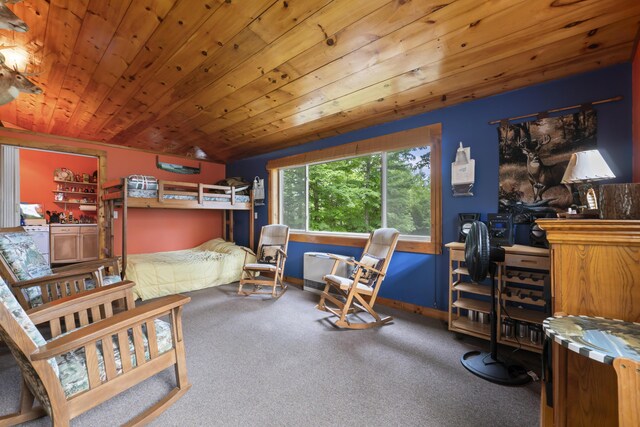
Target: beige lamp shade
x=586 y=166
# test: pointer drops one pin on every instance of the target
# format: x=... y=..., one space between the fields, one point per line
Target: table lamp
x=583 y=169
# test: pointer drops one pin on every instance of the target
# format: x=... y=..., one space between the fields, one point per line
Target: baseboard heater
x=316 y=266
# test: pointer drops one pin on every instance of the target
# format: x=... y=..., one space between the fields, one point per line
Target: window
x=338 y=195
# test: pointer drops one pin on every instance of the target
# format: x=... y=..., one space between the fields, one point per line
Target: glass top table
x=597 y=338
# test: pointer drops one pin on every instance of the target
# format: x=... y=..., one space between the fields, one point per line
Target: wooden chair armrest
x=341 y=258
x=106 y=262
x=56 y=277
x=108 y=327
x=247 y=250
x=281 y=252
x=358 y=263
x=68 y=305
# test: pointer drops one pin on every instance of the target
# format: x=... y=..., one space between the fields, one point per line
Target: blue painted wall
x=423 y=279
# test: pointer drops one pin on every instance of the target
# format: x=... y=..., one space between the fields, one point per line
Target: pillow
x=142 y=182
x=269 y=254
x=368 y=277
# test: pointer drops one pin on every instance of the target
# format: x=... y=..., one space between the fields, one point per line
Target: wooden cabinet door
x=89 y=246
x=64 y=248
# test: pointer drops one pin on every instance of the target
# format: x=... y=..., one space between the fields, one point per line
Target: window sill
x=416 y=246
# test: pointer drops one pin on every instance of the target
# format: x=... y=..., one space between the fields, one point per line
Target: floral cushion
x=110 y=280
x=34 y=296
x=73 y=369
x=22 y=256
x=20 y=253
x=26 y=262
x=11 y=303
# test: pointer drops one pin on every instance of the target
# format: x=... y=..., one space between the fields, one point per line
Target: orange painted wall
x=150 y=230
x=636 y=114
x=36 y=178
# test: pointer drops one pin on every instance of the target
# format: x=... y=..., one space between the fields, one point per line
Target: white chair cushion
x=264 y=267
x=345 y=284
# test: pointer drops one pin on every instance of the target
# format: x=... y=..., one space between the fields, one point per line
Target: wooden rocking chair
x=77 y=371
x=268 y=270
x=34 y=282
x=368 y=275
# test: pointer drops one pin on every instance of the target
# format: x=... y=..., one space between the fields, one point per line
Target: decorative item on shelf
x=464 y=224
x=94 y=177
x=54 y=217
x=85 y=177
x=584 y=168
x=63 y=174
x=462 y=172
x=58 y=197
x=620 y=201
x=501 y=229
x=171 y=167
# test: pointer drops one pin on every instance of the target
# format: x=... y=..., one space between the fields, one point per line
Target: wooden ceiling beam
x=131 y=42
x=413 y=62
x=428 y=76
x=220 y=36
x=434 y=92
x=345 y=122
x=490 y=34
x=387 y=32
x=96 y=33
x=64 y=21
x=150 y=33
x=237 y=77
x=303 y=35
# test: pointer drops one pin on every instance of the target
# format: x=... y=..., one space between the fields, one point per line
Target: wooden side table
x=612 y=342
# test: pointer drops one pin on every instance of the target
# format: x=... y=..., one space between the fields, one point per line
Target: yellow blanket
x=213 y=263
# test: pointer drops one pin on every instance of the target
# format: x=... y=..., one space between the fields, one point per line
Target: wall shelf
x=76 y=182
x=74 y=192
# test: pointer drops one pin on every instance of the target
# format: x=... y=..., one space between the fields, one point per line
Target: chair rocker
x=268 y=270
x=357 y=293
x=34 y=282
x=92 y=362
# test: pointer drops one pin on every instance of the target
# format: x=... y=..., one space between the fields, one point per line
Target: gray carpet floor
x=259 y=362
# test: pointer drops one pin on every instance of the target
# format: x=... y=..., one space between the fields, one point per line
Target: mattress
x=153 y=194
x=213 y=263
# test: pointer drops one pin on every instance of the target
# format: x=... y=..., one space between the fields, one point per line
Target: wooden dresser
x=595 y=271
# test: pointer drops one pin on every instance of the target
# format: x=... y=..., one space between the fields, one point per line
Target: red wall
x=36 y=178
x=636 y=115
x=149 y=230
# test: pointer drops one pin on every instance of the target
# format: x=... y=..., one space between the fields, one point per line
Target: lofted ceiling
x=235 y=78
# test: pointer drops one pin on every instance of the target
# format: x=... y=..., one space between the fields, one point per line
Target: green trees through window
x=360 y=194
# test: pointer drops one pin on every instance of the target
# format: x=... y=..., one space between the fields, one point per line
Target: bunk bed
x=138 y=191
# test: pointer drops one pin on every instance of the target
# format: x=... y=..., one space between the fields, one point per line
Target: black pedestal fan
x=481 y=258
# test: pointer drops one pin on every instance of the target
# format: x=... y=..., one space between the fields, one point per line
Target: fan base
x=481 y=364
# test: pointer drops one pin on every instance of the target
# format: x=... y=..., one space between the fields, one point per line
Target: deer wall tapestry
x=533 y=158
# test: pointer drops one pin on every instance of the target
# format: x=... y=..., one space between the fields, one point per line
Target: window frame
x=430 y=135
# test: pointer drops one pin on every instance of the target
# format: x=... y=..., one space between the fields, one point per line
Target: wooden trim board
x=430 y=135
x=102 y=172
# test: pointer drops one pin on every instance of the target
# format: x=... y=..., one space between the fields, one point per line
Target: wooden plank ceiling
x=237 y=78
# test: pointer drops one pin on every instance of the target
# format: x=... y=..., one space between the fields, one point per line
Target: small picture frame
x=85 y=177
